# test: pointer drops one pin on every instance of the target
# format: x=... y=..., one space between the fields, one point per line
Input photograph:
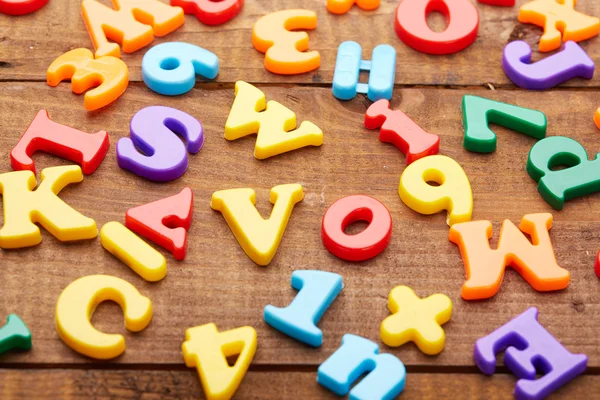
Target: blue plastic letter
x=317 y=290
x=386 y=373
x=171 y=68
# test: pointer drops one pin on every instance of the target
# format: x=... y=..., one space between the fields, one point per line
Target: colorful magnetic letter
x=317 y=290
x=582 y=176
x=211 y=12
x=25 y=207
x=206 y=349
x=386 y=375
x=108 y=75
x=416 y=320
x=162 y=156
x=382 y=72
x=571 y=62
x=133 y=251
x=397 y=128
x=273 y=123
x=364 y=245
x=126 y=24
x=60 y=140
x=557 y=17
x=171 y=68
x=597 y=265
x=165 y=221
x=501 y=3
x=258 y=237
x=485 y=267
x=461 y=32
x=77 y=304
x=597 y=118
x=14 y=335
x=343 y=6
x=21 y=7
x=453 y=193
x=285 y=51
x=530 y=350
x=479 y=112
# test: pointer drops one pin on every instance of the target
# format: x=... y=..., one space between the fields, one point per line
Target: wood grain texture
x=180 y=385
x=29 y=44
x=218 y=283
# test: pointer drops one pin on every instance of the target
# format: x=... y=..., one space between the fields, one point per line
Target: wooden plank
x=30 y=43
x=110 y=384
x=218 y=283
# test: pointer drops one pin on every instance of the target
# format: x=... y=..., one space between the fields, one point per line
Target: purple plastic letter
x=569 y=63
x=530 y=348
x=161 y=156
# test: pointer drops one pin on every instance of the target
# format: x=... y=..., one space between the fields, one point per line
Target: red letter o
x=20 y=7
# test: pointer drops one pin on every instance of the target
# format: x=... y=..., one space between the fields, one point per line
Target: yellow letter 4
x=454 y=193
x=128 y=24
x=258 y=237
x=207 y=349
x=24 y=207
x=77 y=304
x=273 y=126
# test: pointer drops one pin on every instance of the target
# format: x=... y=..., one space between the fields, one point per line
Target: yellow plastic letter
x=273 y=126
x=454 y=193
x=133 y=23
x=133 y=251
x=258 y=237
x=24 y=207
x=77 y=304
x=416 y=320
x=207 y=349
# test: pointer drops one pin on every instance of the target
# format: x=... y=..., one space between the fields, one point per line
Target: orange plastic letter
x=343 y=6
x=109 y=74
x=128 y=24
x=284 y=50
x=485 y=267
x=597 y=118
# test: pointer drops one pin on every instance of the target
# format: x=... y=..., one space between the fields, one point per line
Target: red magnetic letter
x=397 y=128
x=461 y=32
x=211 y=12
x=20 y=7
x=86 y=149
x=364 y=245
x=165 y=221
x=501 y=3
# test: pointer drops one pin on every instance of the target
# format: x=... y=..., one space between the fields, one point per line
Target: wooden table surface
x=218 y=283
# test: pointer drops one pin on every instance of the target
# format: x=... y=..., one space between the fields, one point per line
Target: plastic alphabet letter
x=453 y=193
x=582 y=176
x=273 y=123
x=285 y=51
x=530 y=350
x=416 y=320
x=571 y=62
x=597 y=265
x=126 y=24
x=14 y=335
x=397 y=128
x=412 y=28
x=206 y=349
x=557 y=17
x=597 y=118
x=211 y=12
x=155 y=130
x=171 y=68
x=21 y=7
x=382 y=72
x=43 y=134
x=343 y=6
x=258 y=237
x=479 y=112
x=165 y=221
x=386 y=374
x=501 y=3
x=77 y=304
x=317 y=290
x=24 y=207
x=364 y=245
x=535 y=261
x=133 y=251
x=109 y=74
